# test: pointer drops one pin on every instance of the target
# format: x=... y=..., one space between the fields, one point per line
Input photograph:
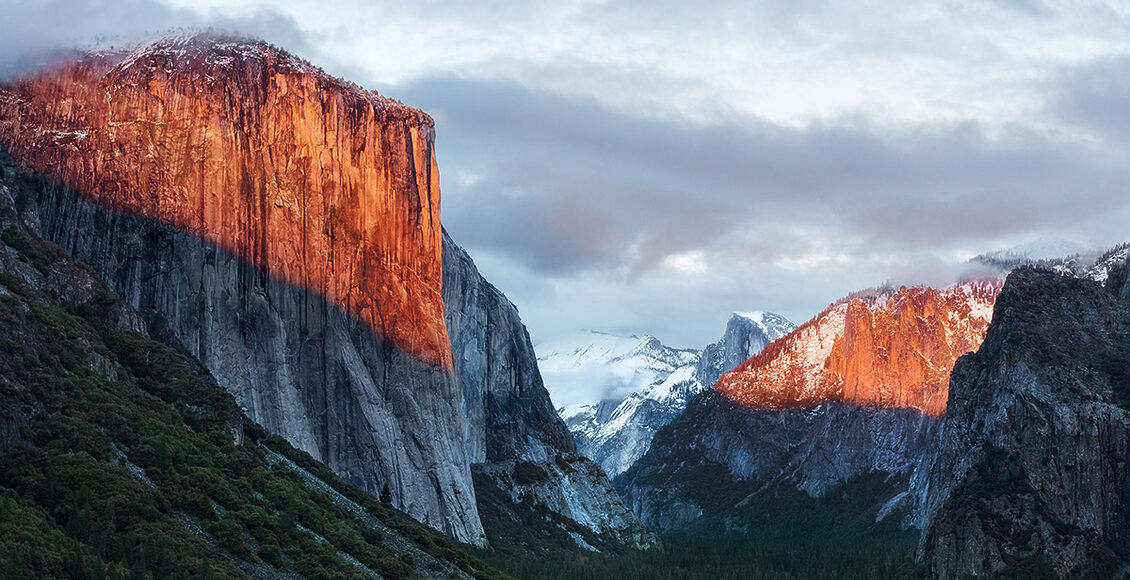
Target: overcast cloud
x=651 y=166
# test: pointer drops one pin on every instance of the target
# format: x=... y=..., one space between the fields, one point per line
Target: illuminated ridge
x=892 y=348
x=308 y=178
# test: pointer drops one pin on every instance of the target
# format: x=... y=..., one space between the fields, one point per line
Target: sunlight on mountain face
x=236 y=338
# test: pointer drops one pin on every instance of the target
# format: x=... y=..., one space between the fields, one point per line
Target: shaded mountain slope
x=120 y=456
x=284 y=224
x=524 y=459
x=1030 y=471
x=661 y=380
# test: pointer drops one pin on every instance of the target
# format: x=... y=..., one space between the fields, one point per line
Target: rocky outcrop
x=514 y=437
x=718 y=443
x=509 y=413
x=1030 y=472
x=284 y=227
x=883 y=348
x=99 y=419
x=746 y=334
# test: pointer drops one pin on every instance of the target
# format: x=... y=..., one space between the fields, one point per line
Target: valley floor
x=731 y=556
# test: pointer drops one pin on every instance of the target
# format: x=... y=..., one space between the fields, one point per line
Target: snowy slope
x=1063 y=258
x=645 y=384
x=1048 y=251
x=1108 y=261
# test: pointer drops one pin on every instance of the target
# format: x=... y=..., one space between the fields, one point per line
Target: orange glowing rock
x=310 y=179
x=886 y=349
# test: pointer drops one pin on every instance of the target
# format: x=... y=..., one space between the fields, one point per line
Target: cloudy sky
x=651 y=166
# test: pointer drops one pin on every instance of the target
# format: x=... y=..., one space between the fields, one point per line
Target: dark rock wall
x=511 y=427
x=811 y=449
x=1031 y=464
x=300 y=366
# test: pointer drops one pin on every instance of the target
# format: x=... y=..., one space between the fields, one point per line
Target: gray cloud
x=40 y=31
x=565 y=184
x=1096 y=95
x=845 y=145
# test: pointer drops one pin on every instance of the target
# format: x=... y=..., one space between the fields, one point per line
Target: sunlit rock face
x=282 y=225
x=891 y=349
x=856 y=392
x=314 y=181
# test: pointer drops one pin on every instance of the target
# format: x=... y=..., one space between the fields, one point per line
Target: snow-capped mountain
x=613 y=365
x=746 y=334
x=1110 y=261
x=646 y=384
x=885 y=347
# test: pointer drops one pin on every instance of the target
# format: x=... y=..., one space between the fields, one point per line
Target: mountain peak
x=306 y=177
x=756 y=316
x=886 y=347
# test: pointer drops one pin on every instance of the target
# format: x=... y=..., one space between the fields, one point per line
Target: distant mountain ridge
x=1023 y=475
x=854 y=392
x=661 y=381
x=888 y=348
x=1064 y=258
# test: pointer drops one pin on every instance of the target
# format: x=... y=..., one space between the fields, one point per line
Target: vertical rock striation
x=1030 y=472
x=512 y=430
x=284 y=226
x=313 y=181
x=881 y=348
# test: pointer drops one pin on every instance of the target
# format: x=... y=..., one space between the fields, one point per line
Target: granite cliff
x=121 y=456
x=1030 y=469
x=283 y=225
x=887 y=348
x=313 y=181
x=515 y=439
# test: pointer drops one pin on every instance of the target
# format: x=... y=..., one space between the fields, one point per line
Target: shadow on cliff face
x=299 y=365
x=1030 y=476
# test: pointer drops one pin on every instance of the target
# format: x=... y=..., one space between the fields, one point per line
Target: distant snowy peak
x=1110 y=260
x=1043 y=250
x=606 y=365
x=593 y=346
x=644 y=383
x=773 y=325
